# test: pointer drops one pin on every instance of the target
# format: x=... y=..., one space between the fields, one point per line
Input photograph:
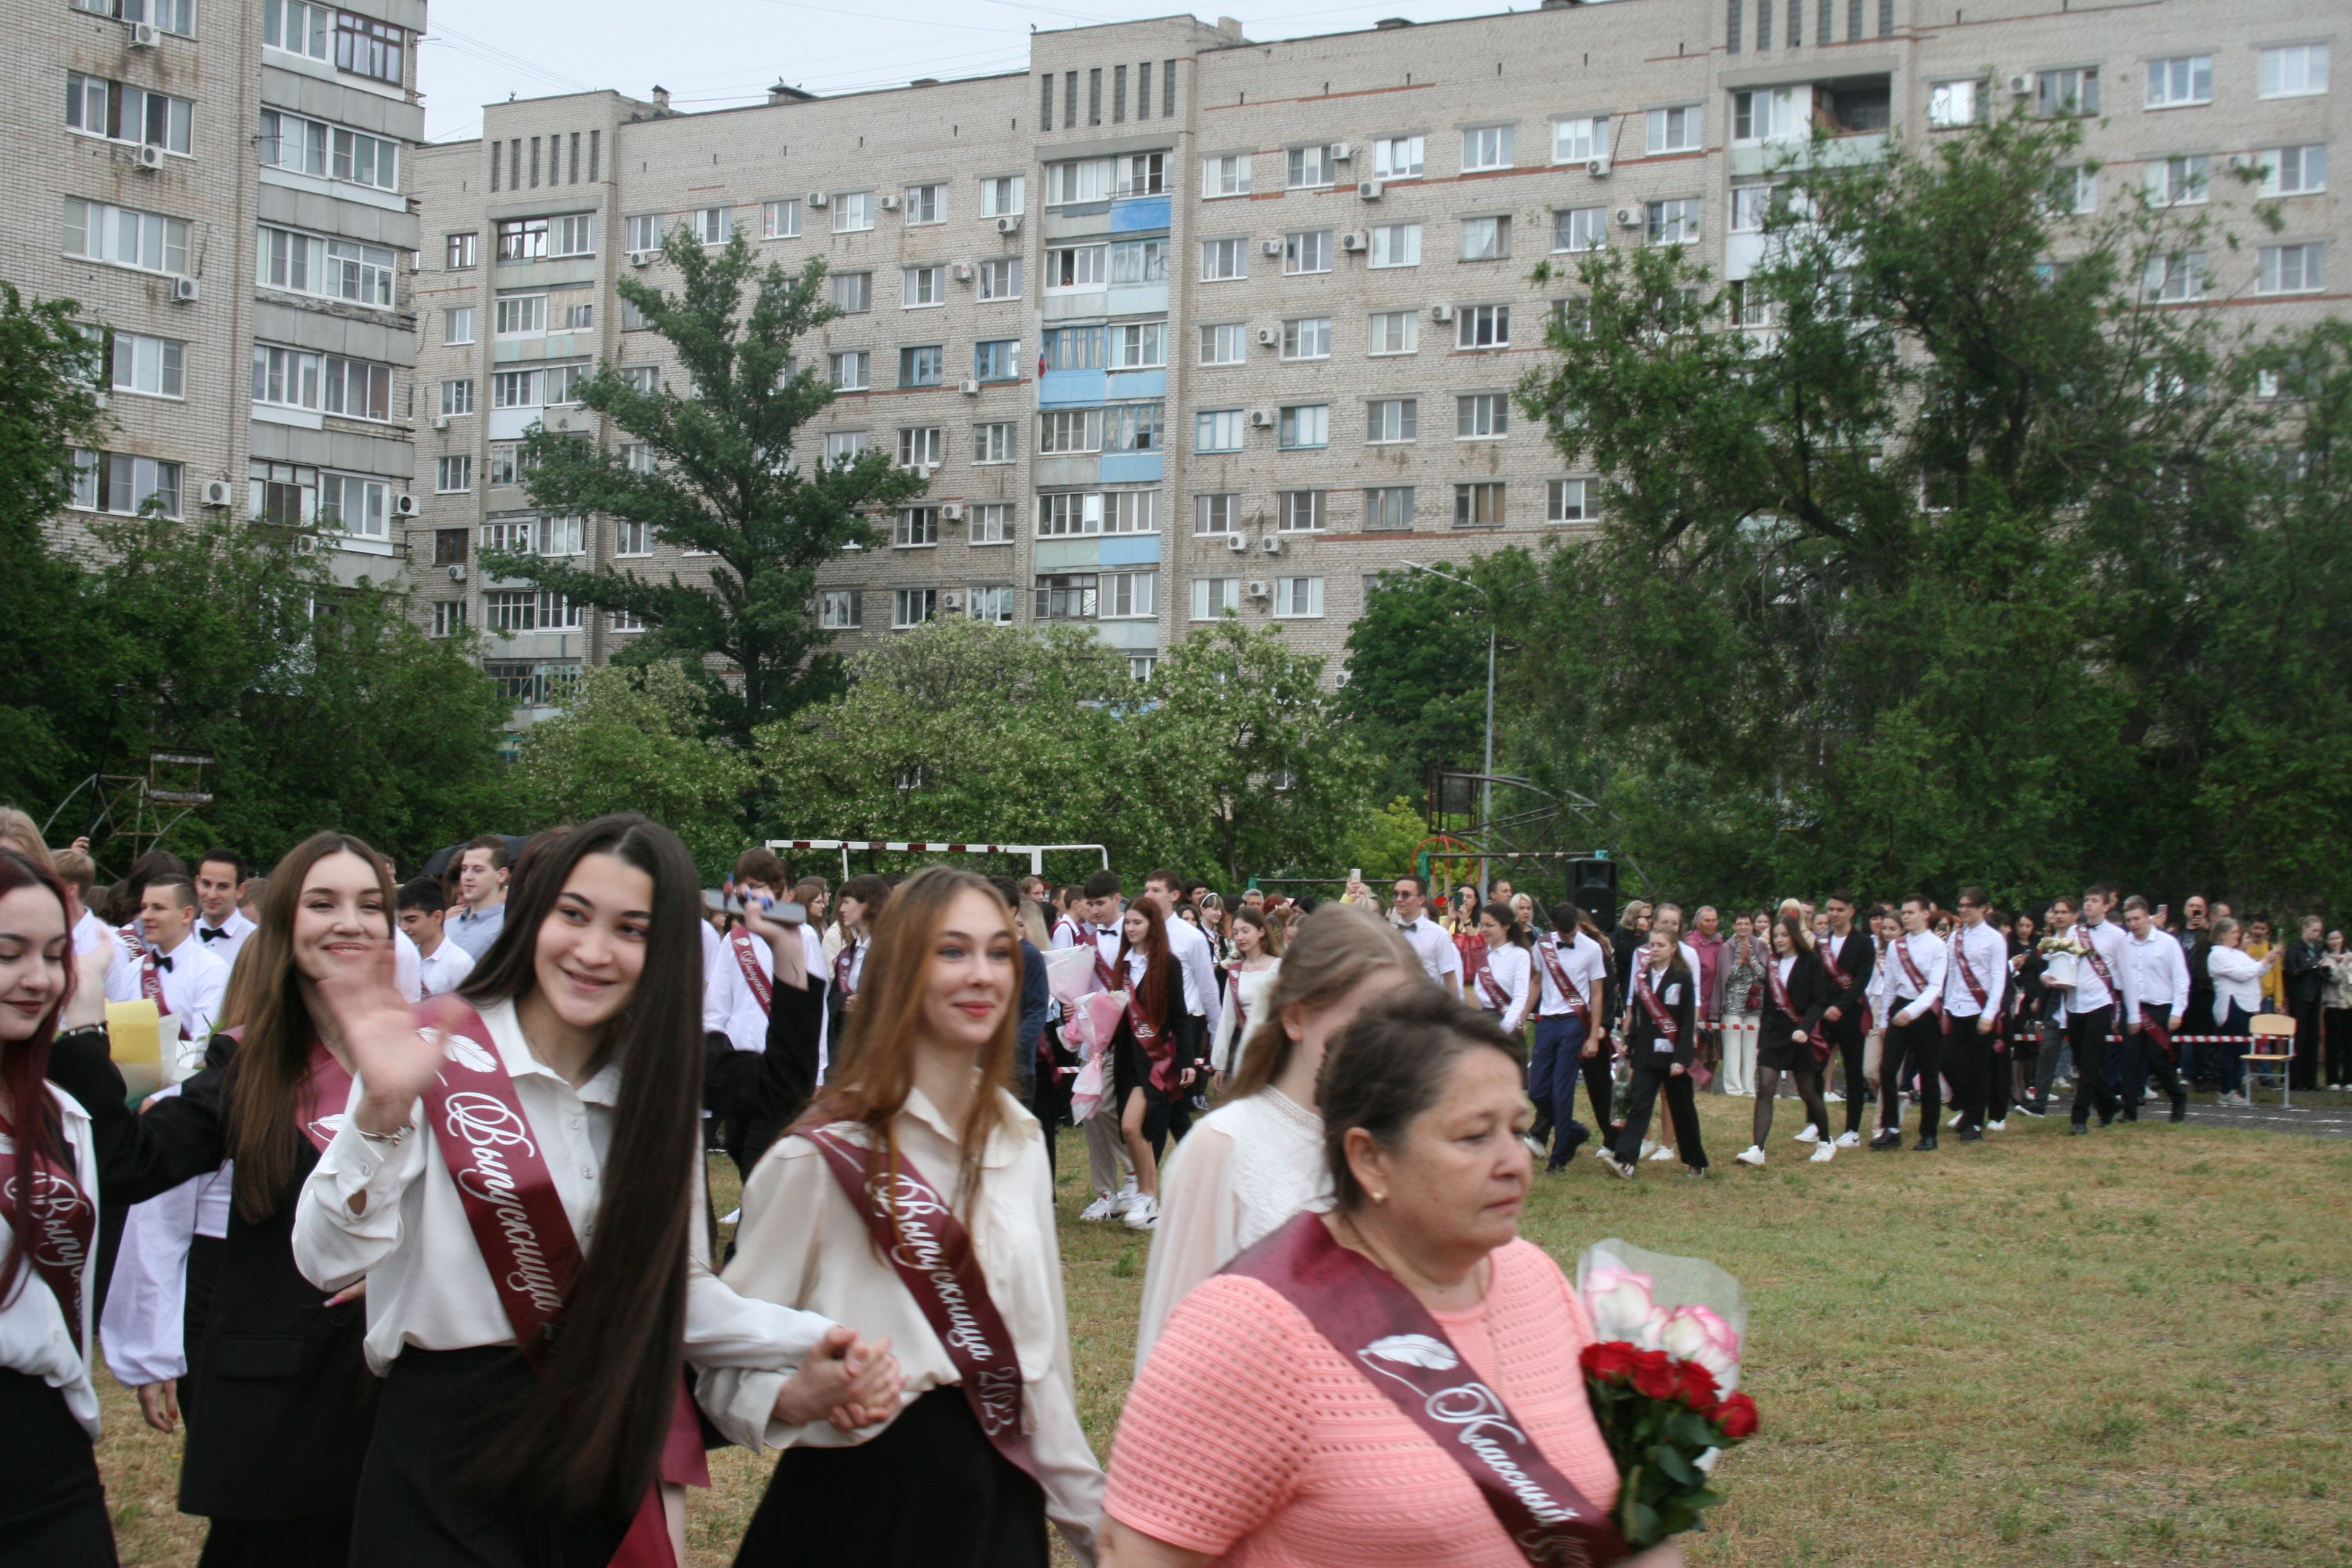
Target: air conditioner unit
x=889 y=204
x=1599 y=168
x=951 y=512
x=1009 y=224
x=1371 y=190
x=2020 y=85
x=1441 y=312
x=216 y=492
x=457 y=572
x=951 y=599
x=186 y=291
x=1237 y=543
x=148 y=158
x=1355 y=240
x=1259 y=588
x=1342 y=151
x=146 y=34
x=440 y=422
x=1271 y=246
x=971 y=386
x=404 y=506
x=1271 y=544
x=1261 y=419
x=818 y=198
x=960 y=271
x=642 y=257
x=1267 y=337
x=306 y=544
x=1629 y=217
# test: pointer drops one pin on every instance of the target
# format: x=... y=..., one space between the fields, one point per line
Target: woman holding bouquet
x=1283 y=1416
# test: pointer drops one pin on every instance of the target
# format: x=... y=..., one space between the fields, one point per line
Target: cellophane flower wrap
x=1663 y=1374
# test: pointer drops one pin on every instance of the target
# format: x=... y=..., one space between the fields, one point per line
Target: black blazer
x=764 y=1092
x=1858 y=957
x=1810 y=988
x=1678 y=992
x=285 y=1403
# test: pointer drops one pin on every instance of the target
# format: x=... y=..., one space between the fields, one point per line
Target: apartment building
x=219 y=184
x=1179 y=324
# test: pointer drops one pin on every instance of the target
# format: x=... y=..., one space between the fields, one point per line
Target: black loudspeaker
x=1593 y=884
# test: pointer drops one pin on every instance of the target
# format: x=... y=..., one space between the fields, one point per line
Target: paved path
x=2312 y=1117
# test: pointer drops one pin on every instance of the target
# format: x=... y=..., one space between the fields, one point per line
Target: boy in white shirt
x=442 y=965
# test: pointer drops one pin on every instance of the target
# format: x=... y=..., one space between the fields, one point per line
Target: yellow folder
x=134 y=1037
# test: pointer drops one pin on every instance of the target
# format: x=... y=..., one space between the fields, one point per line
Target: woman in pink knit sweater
x=1253 y=1437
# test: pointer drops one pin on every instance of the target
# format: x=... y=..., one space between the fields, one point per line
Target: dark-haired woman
x=1796 y=989
x=1657 y=1028
x=520 y=1186
x=984 y=1445
x=52 y=1504
x=1148 y=1068
x=1498 y=982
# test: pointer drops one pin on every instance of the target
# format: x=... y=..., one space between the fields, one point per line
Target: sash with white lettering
x=748 y=961
x=1496 y=998
x=841 y=966
x=933 y=1257
x=1653 y=1007
x=1959 y=951
x=325 y=1094
x=151 y=979
x=2099 y=967
x=65 y=1218
x=1577 y=1005
x=1918 y=981
x=1376 y=1323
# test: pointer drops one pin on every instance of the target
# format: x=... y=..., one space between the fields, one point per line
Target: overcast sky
x=710 y=53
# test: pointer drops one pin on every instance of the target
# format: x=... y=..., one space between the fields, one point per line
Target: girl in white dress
x=1247 y=979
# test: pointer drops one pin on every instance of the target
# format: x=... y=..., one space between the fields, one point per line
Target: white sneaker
x=1104 y=1207
x=1662 y=1153
x=1811 y=1135
x=1143 y=1212
x=2000 y=1126
x=1751 y=1155
x=1533 y=1147
x=1649 y=1147
x=1627 y=1170
x=1128 y=1198
x=1833 y=1098
x=1849 y=1141
x=1955 y=1121
x=1825 y=1154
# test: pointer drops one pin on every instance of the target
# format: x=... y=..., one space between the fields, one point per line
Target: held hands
x=394 y=1061
x=1798 y=1035
x=160 y=1404
x=1832 y=1015
x=845 y=1380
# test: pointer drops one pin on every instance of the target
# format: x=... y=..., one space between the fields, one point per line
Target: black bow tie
x=211 y=935
x=162 y=960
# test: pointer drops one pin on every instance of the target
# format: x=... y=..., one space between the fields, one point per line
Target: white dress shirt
x=1583 y=960
x=1508 y=965
x=2161 y=973
x=2236 y=978
x=1927 y=954
x=1879 y=991
x=144 y=1324
x=227 y=939
x=443 y=969
x=1069 y=933
x=192 y=986
x=1437 y=951
x=89 y=931
x=34 y=1337
x=428 y=1284
x=2091 y=992
x=1189 y=945
x=1988 y=957
x=408 y=967
x=729 y=1005
x=1251 y=987
x=802 y=1243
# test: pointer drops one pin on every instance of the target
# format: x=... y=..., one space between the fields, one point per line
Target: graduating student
x=1248 y=979
x=855 y=912
x=519 y=1183
x=1660 y=1028
x=2161 y=979
x=1499 y=985
x=1975 y=971
x=220 y=879
x=915 y=1199
x=1915 y=990
x=2105 y=1002
x=1108 y=1167
x=1149 y=1069
x=1848 y=959
x=441 y=964
x=1439 y=955
x=1797 y=988
x=165 y=963
x=1571 y=972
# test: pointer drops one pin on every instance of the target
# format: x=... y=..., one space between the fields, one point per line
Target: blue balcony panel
x=1133 y=467
x=1068 y=555
x=1128 y=385
x=1070 y=389
x=1130 y=549
x=1138 y=214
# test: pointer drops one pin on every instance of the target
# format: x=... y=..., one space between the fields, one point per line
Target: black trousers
x=1600 y=1088
x=2087 y=1032
x=1917 y=1047
x=1846 y=1034
x=1682 y=1106
x=2304 y=1071
x=2150 y=1062
x=52 y=1505
x=1968 y=1053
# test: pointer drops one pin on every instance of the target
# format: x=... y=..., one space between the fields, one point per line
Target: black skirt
x=930 y=1493
x=52 y=1505
x=419 y=1506
x=1785 y=1054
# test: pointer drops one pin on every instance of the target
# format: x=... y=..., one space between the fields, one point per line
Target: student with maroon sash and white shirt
x=2105 y=1002
x=161 y=961
x=518 y=1179
x=1975 y=970
x=1499 y=985
x=1659 y=1029
x=954 y=1259
x=1914 y=966
x=1571 y=979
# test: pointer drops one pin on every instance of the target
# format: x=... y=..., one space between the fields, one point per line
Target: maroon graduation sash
x=1829 y=961
x=1106 y=974
x=1960 y=948
x=151 y=979
x=841 y=964
x=66 y=1219
x=325 y=1095
x=748 y=961
x=932 y=1255
x=2099 y=967
x=1489 y=987
x=1577 y=1005
x=2162 y=1035
x=1654 y=1007
x=1780 y=990
x=1918 y=981
x=1377 y=1325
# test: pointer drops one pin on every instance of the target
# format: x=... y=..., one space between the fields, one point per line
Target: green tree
x=1417 y=671
x=722 y=482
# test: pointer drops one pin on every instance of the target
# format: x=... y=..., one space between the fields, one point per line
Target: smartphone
x=788 y=912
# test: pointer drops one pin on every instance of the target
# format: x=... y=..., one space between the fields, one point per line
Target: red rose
x=1698 y=1386
x=1737 y=1416
x=1653 y=1374
x=1610 y=1360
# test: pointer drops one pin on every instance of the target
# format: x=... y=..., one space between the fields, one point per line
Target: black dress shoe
x=1886 y=1141
x=1971 y=1135
x=2077 y=1130
x=1925 y=1146
x=2180 y=1108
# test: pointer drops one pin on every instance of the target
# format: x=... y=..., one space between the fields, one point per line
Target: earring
x=1379 y=1198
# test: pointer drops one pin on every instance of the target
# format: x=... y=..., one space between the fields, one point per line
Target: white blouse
x=1509 y=964
x=803 y=1244
x=427 y=1285
x=1242 y=1171
x=34 y=1337
x=1251 y=987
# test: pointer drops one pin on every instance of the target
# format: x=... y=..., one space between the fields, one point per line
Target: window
x=1225 y=175
x=2059 y=92
x=335 y=269
x=448 y=617
x=1069 y=514
x=1486 y=147
x=562 y=536
x=514 y=389
x=153 y=367
x=457 y=397
x=290 y=142
x=574 y=234
x=1308 y=252
x=922 y=364
x=838 y=610
x=852 y=212
x=1143 y=175
x=1396 y=245
x=1485 y=238
x=1299 y=511
x=506 y=467
x=1673 y=222
x=922 y=286
x=781 y=219
x=2173 y=280
x=1398 y=157
x=296 y=378
x=2295 y=171
x=852 y=292
x=2295 y=72
x=627 y=621
x=996 y=359
x=1392 y=419
x=580 y=316
x=126 y=485
x=631 y=538
x=1749 y=307
x=522 y=239
x=1224 y=342
x=1308 y=167
x=991 y=523
x=359 y=158
x=1482 y=416
x=1133 y=427
x=710 y=224
x=1129 y=594
x=1478 y=505
x=1062 y=430
x=457 y=324
x=994 y=604
x=520 y=315
x=1215 y=513
x=1763 y=114
x=1002 y=196
x=927 y=204
x=917 y=527
x=844 y=447
x=1309 y=338
x=1568 y=501
x=645 y=380
x=366 y=46
x=1212 y=596
x=1000 y=278
x=1224 y=260
x=1139 y=345
x=1953 y=104
x=637 y=457
x=1217 y=430
x=645 y=232
x=921 y=446
x=123 y=113
x=462 y=253
x=298 y=27
x=1139 y=262
x=449 y=546
x=1676 y=130
x=913 y=607
x=1303 y=426
x=563 y=382
x=2290 y=269
x=1075 y=266
x=634 y=318
x=147 y=241
x=1297 y=598
x=1066 y=597
x=1395 y=333
x=2178 y=181
x=358 y=506
x=1388 y=509
x=1076 y=348
x=1483 y=327
x=1084 y=180
x=1580 y=141
x=529 y=684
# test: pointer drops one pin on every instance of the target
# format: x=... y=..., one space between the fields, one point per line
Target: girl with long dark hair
x=1498 y=982
x=1659 y=1029
x=916 y=1199
x=1145 y=1074
x=519 y=1181
x=1797 y=987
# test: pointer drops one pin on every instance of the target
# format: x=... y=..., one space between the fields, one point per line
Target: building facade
x=222 y=187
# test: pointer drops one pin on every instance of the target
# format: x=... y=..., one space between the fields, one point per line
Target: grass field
x=2130 y=1349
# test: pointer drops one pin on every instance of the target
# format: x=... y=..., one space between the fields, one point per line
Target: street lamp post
x=1487 y=783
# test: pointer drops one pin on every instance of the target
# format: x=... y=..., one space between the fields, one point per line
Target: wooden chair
x=2274 y=1047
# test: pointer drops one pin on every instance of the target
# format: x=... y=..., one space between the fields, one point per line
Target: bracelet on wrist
x=391 y=1139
